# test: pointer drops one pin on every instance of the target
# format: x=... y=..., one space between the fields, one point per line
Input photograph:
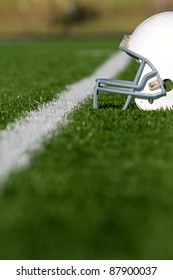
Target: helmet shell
x=153 y=39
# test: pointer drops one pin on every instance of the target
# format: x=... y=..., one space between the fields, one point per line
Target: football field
x=100 y=186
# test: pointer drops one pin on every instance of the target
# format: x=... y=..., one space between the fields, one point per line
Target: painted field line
x=27 y=134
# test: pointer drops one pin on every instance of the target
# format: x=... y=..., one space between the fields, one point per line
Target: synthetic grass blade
x=27 y=134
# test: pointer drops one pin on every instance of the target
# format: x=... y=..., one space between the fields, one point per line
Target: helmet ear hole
x=168 y=84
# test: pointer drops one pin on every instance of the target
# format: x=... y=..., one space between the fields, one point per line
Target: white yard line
x=27 y=134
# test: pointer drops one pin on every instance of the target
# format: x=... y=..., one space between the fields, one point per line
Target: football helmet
x=151 y=44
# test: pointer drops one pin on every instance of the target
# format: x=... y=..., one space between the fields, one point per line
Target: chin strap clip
x=155 y=85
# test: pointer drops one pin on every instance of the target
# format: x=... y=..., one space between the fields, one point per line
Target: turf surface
x=100 y=189
x=32 y=72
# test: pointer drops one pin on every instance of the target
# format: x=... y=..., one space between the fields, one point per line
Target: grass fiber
x=32 y=72
x=101 y=187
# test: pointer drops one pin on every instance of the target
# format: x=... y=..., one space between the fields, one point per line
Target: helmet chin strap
x=154 y=85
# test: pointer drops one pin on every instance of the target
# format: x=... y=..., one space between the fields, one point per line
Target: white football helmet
x=151 y=44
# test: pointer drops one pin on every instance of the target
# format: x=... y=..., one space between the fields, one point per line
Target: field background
x=100 y=187
x=40 y=17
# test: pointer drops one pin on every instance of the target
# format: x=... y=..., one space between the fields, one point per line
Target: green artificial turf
x=32 y=72
x=100 y=189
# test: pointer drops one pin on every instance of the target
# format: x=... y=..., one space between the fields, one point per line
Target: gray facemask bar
x=131 y=88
